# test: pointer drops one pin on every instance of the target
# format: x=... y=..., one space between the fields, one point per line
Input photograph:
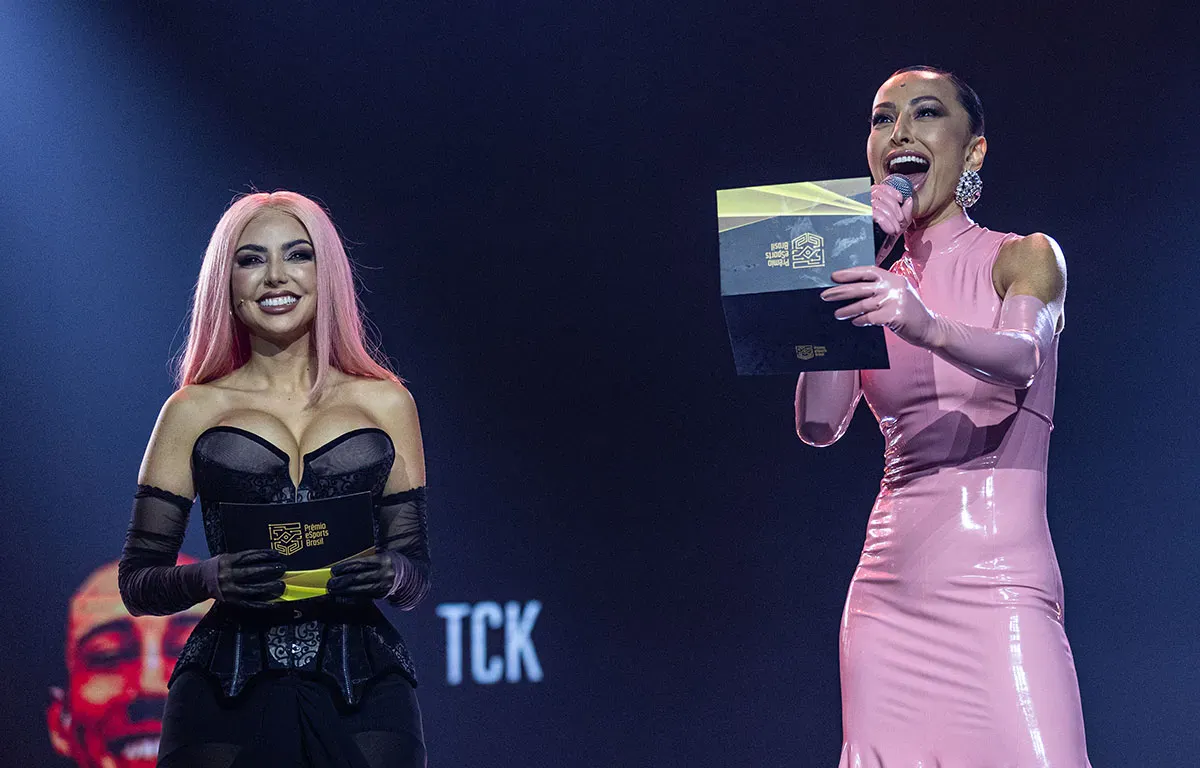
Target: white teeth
x=278 y=301
x=907 y=159
x=141 y=749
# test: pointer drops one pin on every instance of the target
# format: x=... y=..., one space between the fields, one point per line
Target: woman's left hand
x=366 y=576
x=882 y=298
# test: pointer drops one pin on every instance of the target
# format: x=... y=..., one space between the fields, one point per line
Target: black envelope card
x=779 y=245
x=308 y=534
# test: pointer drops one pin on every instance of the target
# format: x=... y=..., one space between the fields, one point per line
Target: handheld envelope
x=311 y=536
x=778 y=246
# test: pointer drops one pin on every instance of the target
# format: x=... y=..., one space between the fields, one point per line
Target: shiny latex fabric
x=953 y=651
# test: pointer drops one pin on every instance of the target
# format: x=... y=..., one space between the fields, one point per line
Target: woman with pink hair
x=282 y=400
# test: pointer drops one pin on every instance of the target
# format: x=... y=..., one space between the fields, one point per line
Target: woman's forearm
x=1010 y=354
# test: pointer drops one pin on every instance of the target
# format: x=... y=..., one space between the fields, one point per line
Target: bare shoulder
x=392 y=406
x=185 y=414
x=1037 y=249
x=192 y=409
x=189 y=404
x=1035 y=264
x=389 y=400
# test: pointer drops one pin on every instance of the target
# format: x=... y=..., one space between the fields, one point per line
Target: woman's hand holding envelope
x=366 y=576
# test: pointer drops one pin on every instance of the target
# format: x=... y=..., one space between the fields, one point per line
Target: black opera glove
x=252 y=577
x=151 y=583
x=400 y=571
x=368 y=576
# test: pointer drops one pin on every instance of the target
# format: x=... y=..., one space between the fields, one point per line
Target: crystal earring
x=969 y=188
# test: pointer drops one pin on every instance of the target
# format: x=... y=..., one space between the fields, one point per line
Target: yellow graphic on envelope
x=747 y=205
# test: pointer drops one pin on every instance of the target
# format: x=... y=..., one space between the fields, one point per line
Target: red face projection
x=110 y=715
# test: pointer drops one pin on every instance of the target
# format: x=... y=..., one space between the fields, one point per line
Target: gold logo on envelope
x=809 y=351
x=808 y=251
x=286 y=538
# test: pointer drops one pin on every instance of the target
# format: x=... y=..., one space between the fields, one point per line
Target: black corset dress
x=347 y=642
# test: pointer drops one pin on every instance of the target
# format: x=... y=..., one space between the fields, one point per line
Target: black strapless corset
x=346 y=641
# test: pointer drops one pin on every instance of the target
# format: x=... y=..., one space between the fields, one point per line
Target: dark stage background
x=528 y=189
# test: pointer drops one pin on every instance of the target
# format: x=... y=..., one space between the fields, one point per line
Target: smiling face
x=273 y=280
x=117 y=665
x=920 y=129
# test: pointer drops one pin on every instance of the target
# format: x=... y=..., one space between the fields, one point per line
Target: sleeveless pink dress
x=953 y=652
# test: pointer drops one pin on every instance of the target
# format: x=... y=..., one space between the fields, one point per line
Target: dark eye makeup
x=883 y=117
x=250 y=259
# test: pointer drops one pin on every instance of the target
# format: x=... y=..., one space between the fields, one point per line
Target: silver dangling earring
x=969 y=188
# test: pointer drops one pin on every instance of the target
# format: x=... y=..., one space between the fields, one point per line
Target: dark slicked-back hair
x=966 y=94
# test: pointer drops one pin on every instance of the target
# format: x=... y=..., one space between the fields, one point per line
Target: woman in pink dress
x=953 y=652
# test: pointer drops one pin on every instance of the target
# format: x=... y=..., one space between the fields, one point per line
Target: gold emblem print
x=809 y=351
x=286 y=538
x=808 y=251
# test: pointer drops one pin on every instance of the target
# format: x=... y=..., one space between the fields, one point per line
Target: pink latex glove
x=825 y=403
x=825 y=400
x=1009 y=354
x=890 y=214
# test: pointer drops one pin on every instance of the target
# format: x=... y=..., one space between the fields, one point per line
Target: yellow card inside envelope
x=301 y=585
x=291 y=593
x=314 y=579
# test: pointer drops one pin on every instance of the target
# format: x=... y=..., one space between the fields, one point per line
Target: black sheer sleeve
x=404 y=536
x=147 y=576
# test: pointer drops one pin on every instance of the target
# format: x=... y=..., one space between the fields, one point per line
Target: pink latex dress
x=953 y=652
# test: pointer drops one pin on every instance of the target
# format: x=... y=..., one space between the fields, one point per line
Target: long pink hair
x=217 y=344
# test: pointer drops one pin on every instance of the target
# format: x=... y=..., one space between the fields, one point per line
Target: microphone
x=885 y=243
